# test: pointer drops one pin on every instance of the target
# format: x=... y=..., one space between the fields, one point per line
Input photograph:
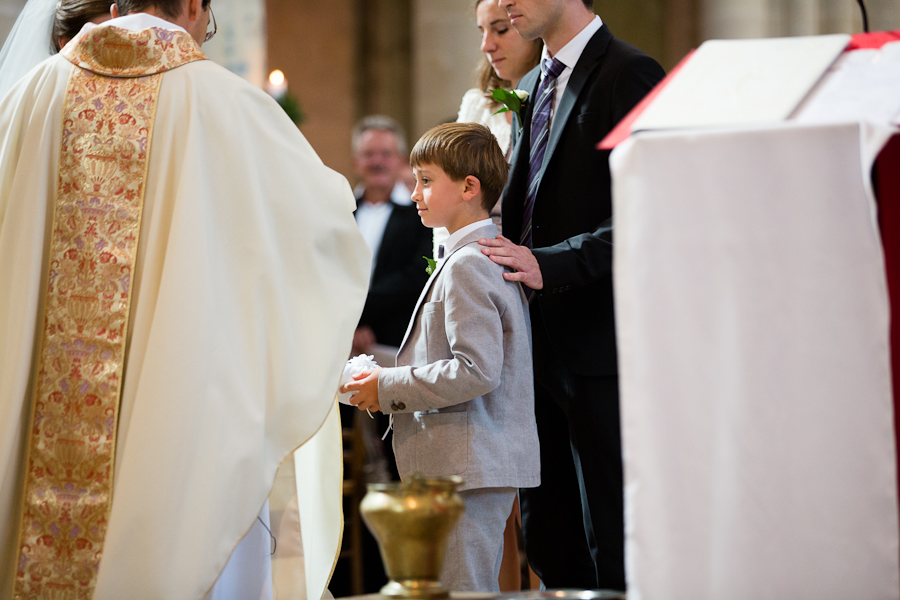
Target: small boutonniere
x=432 y=265
x=512 y=100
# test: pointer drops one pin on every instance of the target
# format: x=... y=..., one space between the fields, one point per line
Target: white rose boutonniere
x=512 y=100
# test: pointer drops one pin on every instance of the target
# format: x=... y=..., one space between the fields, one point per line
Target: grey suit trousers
x=475 y=546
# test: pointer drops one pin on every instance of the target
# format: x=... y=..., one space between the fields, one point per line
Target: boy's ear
x=472 y=187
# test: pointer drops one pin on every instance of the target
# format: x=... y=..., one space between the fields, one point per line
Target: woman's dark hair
x=170 y=8
x=487 y=77
x=71 y=15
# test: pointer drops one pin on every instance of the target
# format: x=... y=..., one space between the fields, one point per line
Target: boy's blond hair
x=463 y=149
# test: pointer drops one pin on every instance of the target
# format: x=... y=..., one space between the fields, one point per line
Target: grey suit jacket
x=462 y=394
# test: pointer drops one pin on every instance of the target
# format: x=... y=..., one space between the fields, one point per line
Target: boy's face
x=438 y=198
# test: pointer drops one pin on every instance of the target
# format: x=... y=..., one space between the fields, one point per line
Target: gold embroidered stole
x=107 y=127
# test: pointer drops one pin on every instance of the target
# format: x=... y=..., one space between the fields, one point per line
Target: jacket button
x=396 y=406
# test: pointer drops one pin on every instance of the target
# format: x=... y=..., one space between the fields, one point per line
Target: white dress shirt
x=372 y=219
x=569 y=55
x=453 y=241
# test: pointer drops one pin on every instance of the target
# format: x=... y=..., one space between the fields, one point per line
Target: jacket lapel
x=518 y=176
x=529 y=83
x=488 y=231
x=586 y=64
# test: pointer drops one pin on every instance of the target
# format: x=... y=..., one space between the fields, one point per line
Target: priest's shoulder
x=208 y=86
x=45 y=80
x=208 y=76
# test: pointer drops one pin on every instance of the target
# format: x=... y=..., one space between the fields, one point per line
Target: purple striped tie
x=540 y=133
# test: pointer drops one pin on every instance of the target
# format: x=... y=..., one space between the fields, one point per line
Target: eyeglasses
x=211 y=34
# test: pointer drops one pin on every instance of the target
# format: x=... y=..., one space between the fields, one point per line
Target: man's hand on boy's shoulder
x=367 y=386
x=519 y=258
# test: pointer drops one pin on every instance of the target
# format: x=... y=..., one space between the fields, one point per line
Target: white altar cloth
x=756 y=402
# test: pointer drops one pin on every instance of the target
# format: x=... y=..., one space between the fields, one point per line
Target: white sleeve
x=471 y=110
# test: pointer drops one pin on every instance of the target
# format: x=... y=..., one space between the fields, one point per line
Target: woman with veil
x=43 y=27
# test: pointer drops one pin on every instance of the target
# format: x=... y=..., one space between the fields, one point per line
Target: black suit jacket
x=572 y=220
x=399 y=275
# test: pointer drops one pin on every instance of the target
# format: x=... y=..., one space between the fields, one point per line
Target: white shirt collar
x=456 y=237
x=141 y=21
x=571 y=52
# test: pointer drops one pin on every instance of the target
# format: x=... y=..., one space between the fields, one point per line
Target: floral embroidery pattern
x=121 y=53
x=107 y=128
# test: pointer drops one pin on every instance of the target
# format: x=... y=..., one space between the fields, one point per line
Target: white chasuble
x=248 y=281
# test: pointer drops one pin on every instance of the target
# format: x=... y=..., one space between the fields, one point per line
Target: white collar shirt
x=569 y=55
x=141 y=21
x=456 y=237
x=372 y=219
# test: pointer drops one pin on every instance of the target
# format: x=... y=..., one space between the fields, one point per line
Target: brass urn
x=411 y=521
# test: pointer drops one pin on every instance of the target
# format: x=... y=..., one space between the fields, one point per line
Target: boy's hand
x=367 y=386
x=519 y=258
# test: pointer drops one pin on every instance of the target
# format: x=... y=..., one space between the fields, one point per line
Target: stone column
x=384 y=59
x=314 y=43
x=445 y=43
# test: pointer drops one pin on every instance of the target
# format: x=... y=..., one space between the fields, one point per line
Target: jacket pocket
x=442 y=443
x=589 y=117
x=434 y=332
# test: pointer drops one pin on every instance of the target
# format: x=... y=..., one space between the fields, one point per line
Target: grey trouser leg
x=475 y=546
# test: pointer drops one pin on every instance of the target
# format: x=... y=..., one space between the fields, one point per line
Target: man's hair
x=379 y=123
x=71 y=15
x=170 y=8
x=588 y=4
x=463 y=149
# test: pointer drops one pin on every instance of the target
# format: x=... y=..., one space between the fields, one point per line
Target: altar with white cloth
x=753 y=324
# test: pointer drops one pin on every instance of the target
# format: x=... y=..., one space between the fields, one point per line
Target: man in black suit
x=557 y=216
x=391 y=225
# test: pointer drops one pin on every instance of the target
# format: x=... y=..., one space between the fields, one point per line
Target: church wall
x=384 y=59
x=776 y=18
x=445 y=55
x=313 y=42
x=9 y=12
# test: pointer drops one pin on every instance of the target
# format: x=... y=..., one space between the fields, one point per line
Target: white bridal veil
x=28 y=43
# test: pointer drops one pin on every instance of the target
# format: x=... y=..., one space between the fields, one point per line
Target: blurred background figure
x=391 y=226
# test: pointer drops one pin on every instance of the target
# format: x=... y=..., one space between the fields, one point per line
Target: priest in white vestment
x=247 y=278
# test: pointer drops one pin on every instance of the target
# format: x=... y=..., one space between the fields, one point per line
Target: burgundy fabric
x=887 y=189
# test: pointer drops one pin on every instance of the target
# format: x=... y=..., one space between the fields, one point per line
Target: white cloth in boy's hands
x=355 y=366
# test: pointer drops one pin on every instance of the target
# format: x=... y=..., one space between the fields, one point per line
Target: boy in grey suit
x=462 y=395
